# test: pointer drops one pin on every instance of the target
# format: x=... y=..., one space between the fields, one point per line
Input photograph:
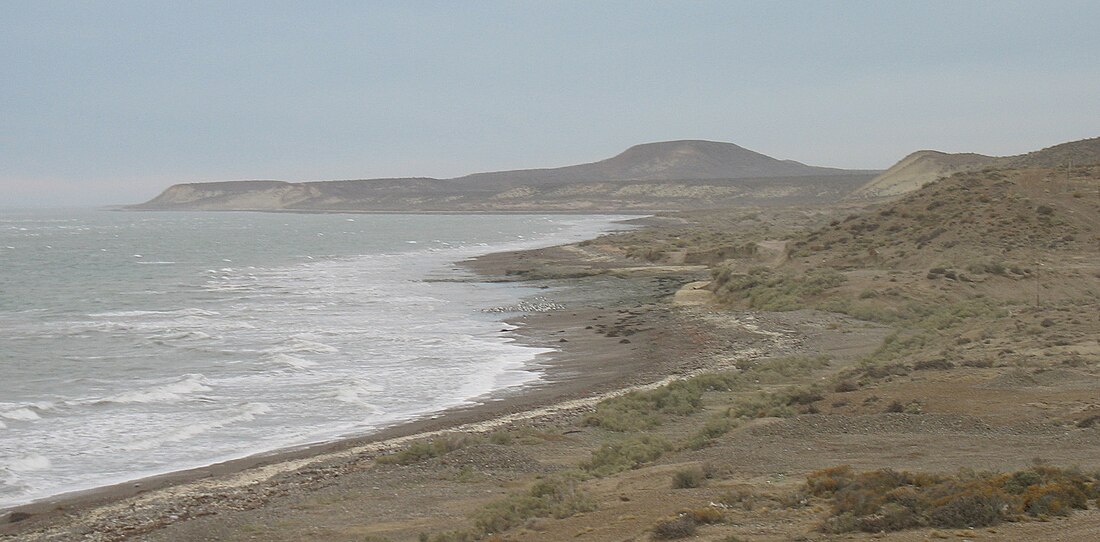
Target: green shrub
x=763 y=405
x=782 y=370
x=625 y=454
x=714 y=427
x=557 y=498
x=426 y=449
x=640 y=410
x=765 y=289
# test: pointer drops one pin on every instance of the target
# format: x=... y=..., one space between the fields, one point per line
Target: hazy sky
x=111 y=102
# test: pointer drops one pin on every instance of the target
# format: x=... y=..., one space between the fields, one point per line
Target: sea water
x=134 y=344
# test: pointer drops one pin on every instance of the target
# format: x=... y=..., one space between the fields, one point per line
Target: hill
x=667 y=175
x=668 y=160
x=923 y=167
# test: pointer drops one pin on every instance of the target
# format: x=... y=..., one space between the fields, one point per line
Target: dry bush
x=887 y=500
x=688 y=478
x=705 y=515
x=681 y=527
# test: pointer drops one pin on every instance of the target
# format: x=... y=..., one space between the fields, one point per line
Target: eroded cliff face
x=219 y=195
x=923 y=167
x=636 y=196
x=919 y=169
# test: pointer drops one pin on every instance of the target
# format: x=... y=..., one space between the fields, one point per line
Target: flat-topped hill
x=686 y=174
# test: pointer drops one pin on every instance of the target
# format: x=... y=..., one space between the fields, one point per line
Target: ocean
x=135 y=344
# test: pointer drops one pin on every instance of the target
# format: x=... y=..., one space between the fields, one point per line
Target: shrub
x=426 y=449
x=688 y=478
x=556 y=497
x=705 y=516
x=501 y=438
x=714 y=427
x=972 y=509
x=888 y=500
x=640 y=410
x=628 y=453
x=781 y=370
x=681 y=527
x=846 y=385
x=742 y=498
x=764 y=289
x=765 y=405
x=449 y=536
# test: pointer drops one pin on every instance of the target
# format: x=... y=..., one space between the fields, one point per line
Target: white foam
x=179 y=312
x=295 y=362
x=165 y=393
x=28 y=463
x=353 y=393
x=21 y=414
x=296 y=344
x=182 y=335
x=249 y=412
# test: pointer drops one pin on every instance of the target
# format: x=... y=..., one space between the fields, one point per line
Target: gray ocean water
x=134 y=344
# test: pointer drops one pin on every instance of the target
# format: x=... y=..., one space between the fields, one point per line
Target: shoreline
x=580 y=228
x=581 y=371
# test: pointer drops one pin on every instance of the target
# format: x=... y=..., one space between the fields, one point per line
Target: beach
x=614 y=331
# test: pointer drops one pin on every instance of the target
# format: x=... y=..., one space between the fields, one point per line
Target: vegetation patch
x=551 y=498
x=640 y=410
x=625 y=454
x=426 y=449
x=888 y=500
x=688 y=478
x=765 y=289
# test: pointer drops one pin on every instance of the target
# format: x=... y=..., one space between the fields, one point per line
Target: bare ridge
x=923 y=167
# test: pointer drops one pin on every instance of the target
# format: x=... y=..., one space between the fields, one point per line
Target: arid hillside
x=923 y=167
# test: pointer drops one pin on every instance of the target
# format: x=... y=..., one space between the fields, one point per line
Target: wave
x=178 y=312
x=353 y=393
x=295 y=362
x=166 y=393
x=27 y=412
x=295 y=344
x=27 y=463
x=249 y=412
x=181 y=335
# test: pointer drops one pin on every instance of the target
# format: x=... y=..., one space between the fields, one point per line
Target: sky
x=111 y=102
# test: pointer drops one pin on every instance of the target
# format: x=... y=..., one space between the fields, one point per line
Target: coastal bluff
x=672 y=175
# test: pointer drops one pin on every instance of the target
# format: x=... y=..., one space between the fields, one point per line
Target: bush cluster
x=625 y=454
x=426 y=449
x=684 y=524
x=764 y=289
x=554 y=497
x=888 y=500
x=640 y=410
